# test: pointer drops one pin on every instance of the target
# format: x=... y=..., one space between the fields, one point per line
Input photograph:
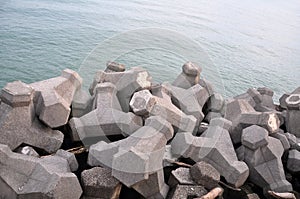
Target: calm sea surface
x=251 y=43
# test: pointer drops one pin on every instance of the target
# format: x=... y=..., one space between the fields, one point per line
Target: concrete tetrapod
x=262 y=154
x=54 y=97
x=106 y=118
x=23 y=176
x=145 y=104
x=136 y=161
x=293 y=114
x=126 y=83
x=214 y=146
x=18 y=123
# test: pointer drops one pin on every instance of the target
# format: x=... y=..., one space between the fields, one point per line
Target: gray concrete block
x=190 y=76
x=283 y=139
x=145 y=104
x=19 y=125
x=32 y=177
x=254 y=137
x=293 y=163
x=82 y=103
x=282 y=101
x=99 y=183
x=293 y=140
x=126 y=83
x=54 y=97
x=205 y=174
x=181 y=176
x=216 y=103
x=70 y=157
x=215 y=147
x=266 y=98
x=114 y=67
x=106 y=119
x=184 y=191
x=293 y=114
x=264 y=162
x=27 y=150
x=212 y=115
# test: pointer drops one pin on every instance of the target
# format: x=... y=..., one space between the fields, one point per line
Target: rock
x=205 y=174
x=106 y=119
x=293 y=163
x=18 y=124
x=54 y=97
x=145 y=104
x=138 y=157
x=99 y=183
x=114 y=67
x=126 y=83
x=180 y=176
x=293 y=114
x=190 y=76
x=27 y=150
x=184 y=191
x=81 y=104
x=70 y=157
x=215 y=147
x=32 y=177
x=263 y=157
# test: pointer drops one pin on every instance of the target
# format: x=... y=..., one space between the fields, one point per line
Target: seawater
x=251 y=43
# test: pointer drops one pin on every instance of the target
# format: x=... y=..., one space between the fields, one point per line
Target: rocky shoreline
x=129 y=137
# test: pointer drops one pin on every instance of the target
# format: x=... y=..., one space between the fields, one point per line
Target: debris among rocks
x=127 y=135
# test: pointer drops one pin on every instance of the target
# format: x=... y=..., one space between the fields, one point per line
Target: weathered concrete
x=18 y=123
x=267 y=103
x=243 y=115
x=252 y=96
x=263 y=157
x=293 y=114
x=180 y=176
x=282 y=99
x=205 y=174
x=190 y=76
x=23 y=176
x=54 y=97
x=27 y=150
x=107 y=118
x=293 y=163
x=184 y=191
x=114 y=67
x=70 y=157
x=137 y=160
x=145 y=104
x=82 y=103
x=293 y=140
x=280 y=135
x=99 y=183
x=215 y=147
x=126 y=83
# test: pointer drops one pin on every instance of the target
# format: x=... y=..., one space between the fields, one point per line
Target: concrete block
x=215 y=147
x=106 y=119
x=27 y=150
x=54 y=97
x=180 y=176
x=293 y=163
x=190 y=76
x=126 y=83
x=293 y=140
x=293 y=114
x=32 y=177
x=99 y=183
x=70 y=157
x=215 y=103
x=254 y=137
x=114 y=67
x=19 y=125
x=205 y=174
x=266 y=98
x=145 y=104
x=82 y=103
x=283 y=139
x=212 y=115
x=264 y=162
x=184 y=191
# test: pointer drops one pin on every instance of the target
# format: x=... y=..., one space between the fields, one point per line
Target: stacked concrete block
x=280 y=135
x=293 y=140
x=282 y=99
x=82 y=103
x=293 y=114
x=215 y=107
x=23 y=176
x=18 y=123
x=243 y=115
x=114 y=67
x=186 y=191
x=267 y=103
x=252 y=96
x=215 y=147
x=205 y=174
x=293 y=163
x=180 y=176
x=70 y=157
x=262 y=154
x=145 y=104
x=54 y=97
x=136 y=161
x=190 y=76
x=106 y=118
x=99 y=183
x=126 y=83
